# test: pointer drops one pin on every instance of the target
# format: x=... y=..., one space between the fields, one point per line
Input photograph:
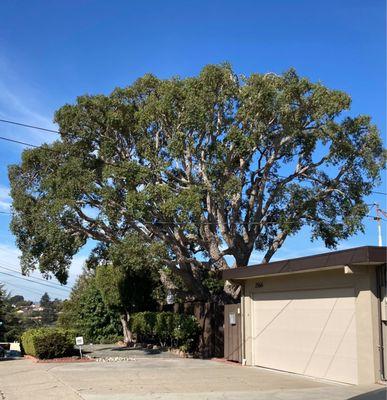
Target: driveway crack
x=61 y=381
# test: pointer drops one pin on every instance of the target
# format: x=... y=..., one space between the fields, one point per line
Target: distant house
x=36 y=307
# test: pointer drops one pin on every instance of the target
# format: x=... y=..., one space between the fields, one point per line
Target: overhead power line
x=21 y=287
x=29 y=144
x=18 y=142
x=38 y=283
x=31 y=281
x=29 y=126
x=53 y=284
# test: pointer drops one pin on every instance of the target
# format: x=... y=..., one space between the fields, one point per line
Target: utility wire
x=9 y=267
x=29 y=126
x=56 y=285
x=18 y=142
x=29 y=280
x=21 y=287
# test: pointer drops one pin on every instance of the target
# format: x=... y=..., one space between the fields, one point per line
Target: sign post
x=79 y=343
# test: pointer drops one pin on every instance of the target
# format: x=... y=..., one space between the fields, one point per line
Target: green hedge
x=166 y=328
x=48 y=342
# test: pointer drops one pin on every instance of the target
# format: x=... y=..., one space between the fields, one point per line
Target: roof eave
x=365 y=255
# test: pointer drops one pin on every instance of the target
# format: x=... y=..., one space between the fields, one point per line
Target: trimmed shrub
x=48 y=342
x=186 y=331
x=143 y=324
x=165 y=324
x=166 y=327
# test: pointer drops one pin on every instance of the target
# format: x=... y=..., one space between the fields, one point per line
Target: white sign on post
x=79 y=341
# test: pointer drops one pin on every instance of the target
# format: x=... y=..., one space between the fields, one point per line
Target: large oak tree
x=212 y=167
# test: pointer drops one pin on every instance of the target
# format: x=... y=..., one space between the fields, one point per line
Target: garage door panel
x=336 y=325
x=336 y=349
x=307 y=332
x=344 y=364
x=269 y=312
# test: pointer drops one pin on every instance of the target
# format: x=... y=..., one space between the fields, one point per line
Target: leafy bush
x=87 y=314
x=143 y=324
x=186 y=330
x=48 y=342
x=166 y=327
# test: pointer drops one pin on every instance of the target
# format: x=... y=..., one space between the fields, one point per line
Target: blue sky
x=51 y=52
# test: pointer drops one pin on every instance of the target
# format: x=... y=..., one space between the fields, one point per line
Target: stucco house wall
x=360 y=278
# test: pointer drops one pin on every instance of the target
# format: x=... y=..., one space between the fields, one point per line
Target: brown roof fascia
x=355 y=256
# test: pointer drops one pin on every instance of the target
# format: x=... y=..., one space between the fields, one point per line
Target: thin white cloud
x=11 y=106
x=10 y=265
x=20 y=102
x=5 y=198
x=9 y=254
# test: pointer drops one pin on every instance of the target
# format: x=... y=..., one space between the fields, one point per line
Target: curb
x=58 y=360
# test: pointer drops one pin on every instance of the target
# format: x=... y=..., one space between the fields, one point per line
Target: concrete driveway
x=169 y=378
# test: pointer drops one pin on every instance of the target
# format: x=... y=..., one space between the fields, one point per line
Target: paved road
x=165 y=379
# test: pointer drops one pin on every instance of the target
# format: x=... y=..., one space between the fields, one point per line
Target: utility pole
x=378 y=218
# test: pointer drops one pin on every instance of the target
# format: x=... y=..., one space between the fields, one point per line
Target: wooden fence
x=211 y=318
x=232 y=332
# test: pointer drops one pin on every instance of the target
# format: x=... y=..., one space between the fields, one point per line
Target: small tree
x=111 y=282
x=87 y=314
x=49 y=312
x=128 y=282
x=10 y=324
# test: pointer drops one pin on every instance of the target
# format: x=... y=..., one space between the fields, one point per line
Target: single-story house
x=323 y=316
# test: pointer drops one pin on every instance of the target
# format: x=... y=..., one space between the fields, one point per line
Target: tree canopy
x=210 y=168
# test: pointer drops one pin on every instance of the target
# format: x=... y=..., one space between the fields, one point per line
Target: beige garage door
x=310 y=332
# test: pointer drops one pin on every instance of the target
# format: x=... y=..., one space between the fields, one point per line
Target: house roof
x=366 y=255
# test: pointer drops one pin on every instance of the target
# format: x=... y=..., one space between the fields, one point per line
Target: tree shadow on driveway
x=142 y=350
x=380 y=394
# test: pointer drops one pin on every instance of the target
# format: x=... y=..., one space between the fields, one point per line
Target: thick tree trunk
x=232 y=292
x=128 y=337
x=193 y=284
